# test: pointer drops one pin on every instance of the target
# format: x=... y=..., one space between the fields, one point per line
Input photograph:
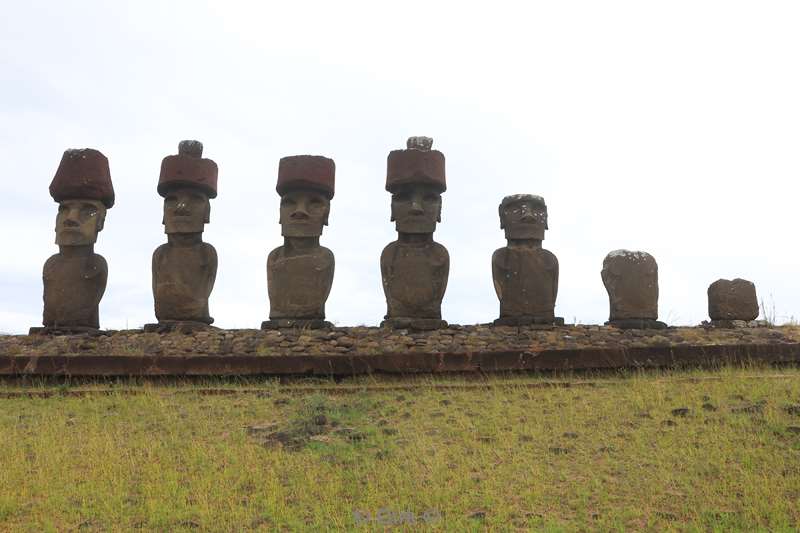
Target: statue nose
x=300 y=214
x=71 y=223
x=181 y=208
x=416 y=208
x=528 y=217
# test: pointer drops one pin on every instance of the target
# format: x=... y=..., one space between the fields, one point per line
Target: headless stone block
x=75 y=278
x=525 y=275
x=185 y=268
x=300 y=273
x=415 y=268
x=631 y=280
x=732 y=300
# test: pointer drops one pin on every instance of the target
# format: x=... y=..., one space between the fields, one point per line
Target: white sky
x=670 y=127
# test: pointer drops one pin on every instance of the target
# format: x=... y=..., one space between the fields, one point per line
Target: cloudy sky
x=670 y=127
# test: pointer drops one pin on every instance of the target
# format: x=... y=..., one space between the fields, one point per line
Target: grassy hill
x=658 y=450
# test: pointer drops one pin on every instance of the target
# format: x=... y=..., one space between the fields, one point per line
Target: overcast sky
x=670 y=127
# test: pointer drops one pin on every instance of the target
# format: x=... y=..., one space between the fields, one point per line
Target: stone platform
x=347 y=351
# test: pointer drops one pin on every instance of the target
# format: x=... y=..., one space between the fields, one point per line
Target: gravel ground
x=373 y=340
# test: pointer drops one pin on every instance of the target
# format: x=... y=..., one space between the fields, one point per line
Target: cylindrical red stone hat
x=83 y=173
x=307 y=171
x=416 y=164
x=188 y=169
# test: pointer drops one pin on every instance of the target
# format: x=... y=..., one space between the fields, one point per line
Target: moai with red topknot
x=185 y=268
x=300 y=273
x=525 y=275
x=415 y=268
x=75 y=278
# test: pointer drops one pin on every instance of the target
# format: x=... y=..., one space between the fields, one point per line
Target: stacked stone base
x=417 y=324
x=182 y=326
x=298 y=323
x=637 y=323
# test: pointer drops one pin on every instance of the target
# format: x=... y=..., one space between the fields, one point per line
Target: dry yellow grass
x=618 y=455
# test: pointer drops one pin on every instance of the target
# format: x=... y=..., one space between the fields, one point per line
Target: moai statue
x=525 y=275
x=414 y=268
x=75 y=278
x=631 y=279
x=185 y=268
x=300 y=273
x=732 y=303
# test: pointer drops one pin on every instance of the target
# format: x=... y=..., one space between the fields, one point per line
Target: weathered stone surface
x=631 y=279
x=185 y=268
x=300 y=273
x=732 y=300
x=375 y=340
x=75 y=278
x=525 y=275
x=83 y=173
x=415 y=268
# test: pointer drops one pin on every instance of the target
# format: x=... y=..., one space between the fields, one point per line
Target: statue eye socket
x=287 y=202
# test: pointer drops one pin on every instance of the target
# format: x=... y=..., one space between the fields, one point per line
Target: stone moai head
x=416 y=178
x=732 y=300
x=631 y=279
x=306 y=184
x=523 y=216
x=82 y=187
x=187 y=182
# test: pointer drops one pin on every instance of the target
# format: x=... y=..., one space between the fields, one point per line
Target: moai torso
x=414 y=279
x=73 y=288
x=631 y=279
x=299 y=282
x=732 y=300
x=526 y=282
x=183 y=278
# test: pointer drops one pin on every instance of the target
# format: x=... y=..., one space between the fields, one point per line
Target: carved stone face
x=416 y=208
x=186 y=210
x=525 y=218
x=304 y=213
x=79 y=221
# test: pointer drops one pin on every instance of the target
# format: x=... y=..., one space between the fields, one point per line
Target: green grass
x=609 y=455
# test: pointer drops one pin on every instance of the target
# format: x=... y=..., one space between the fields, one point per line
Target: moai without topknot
x=415 y=268
x=631 y=279
x=185 y=268
x=732 y=303
x=300 y=273
x=525 y=275
x=75 y=278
